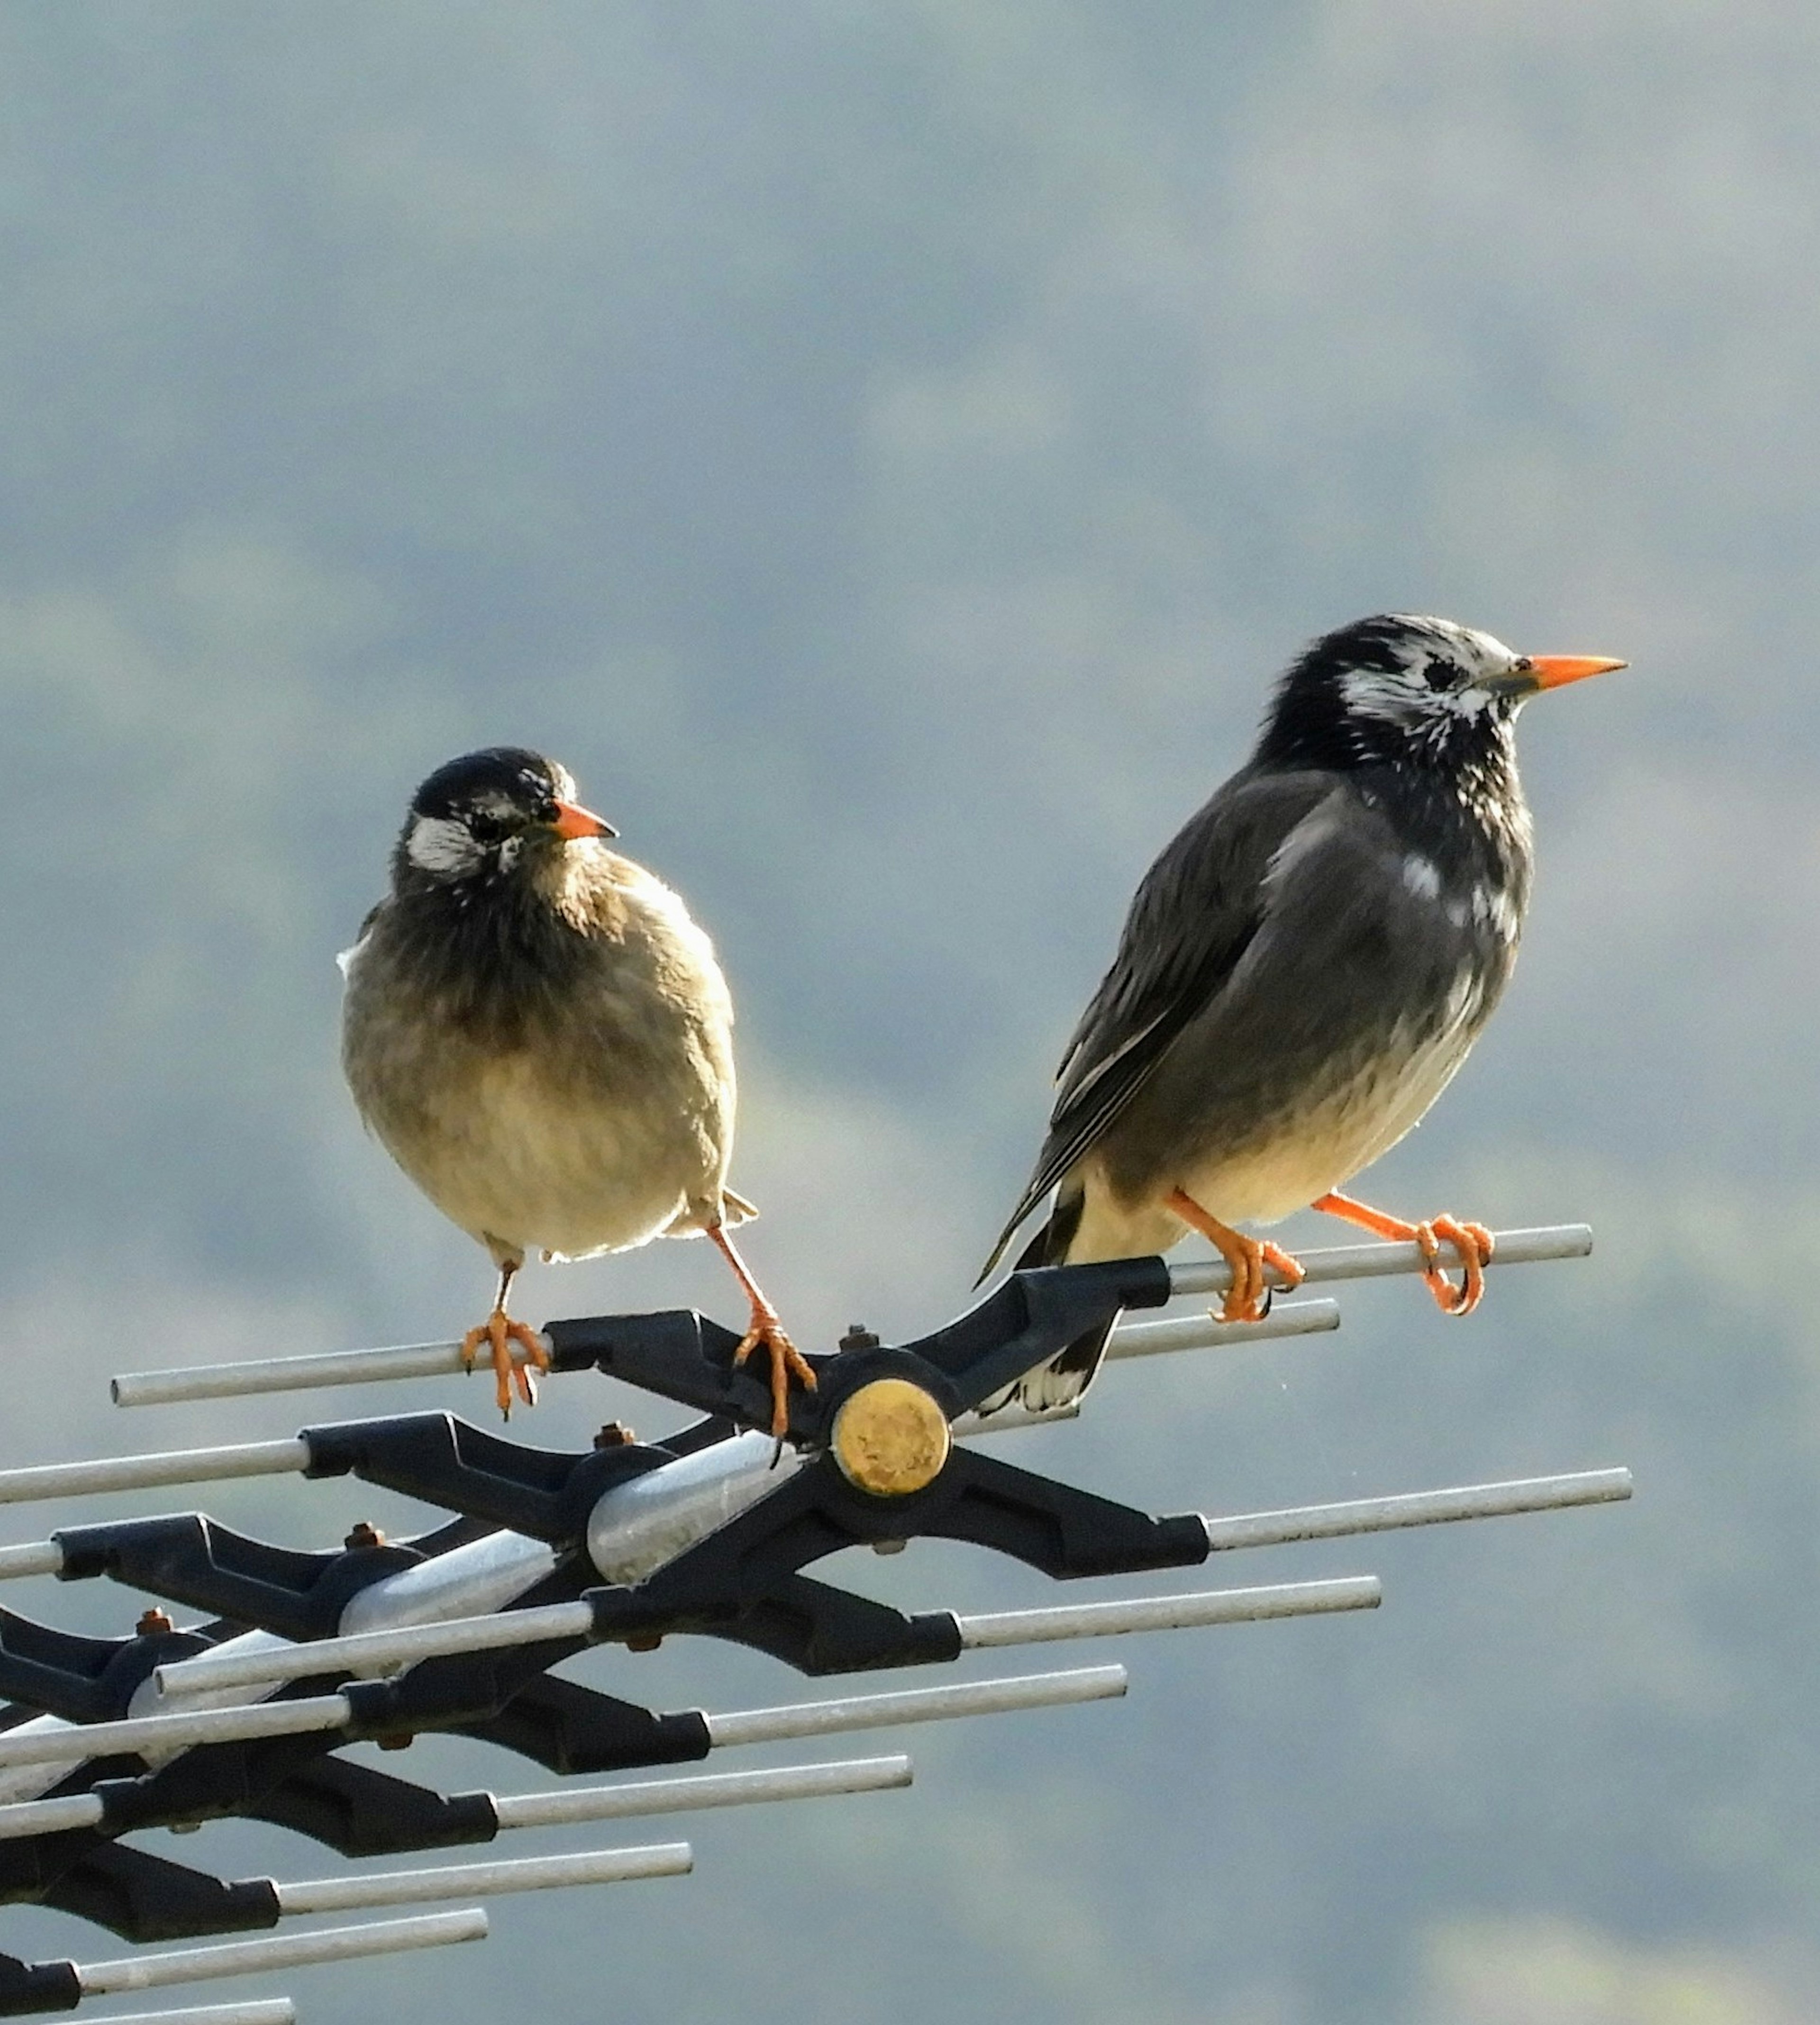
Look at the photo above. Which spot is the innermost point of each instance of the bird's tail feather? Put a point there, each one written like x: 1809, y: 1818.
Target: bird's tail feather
x: 1067, y: 1374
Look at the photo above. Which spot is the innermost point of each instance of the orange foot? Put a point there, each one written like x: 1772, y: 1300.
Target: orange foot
x: 501, y: 1331
x: 1247, y: 1299
x: 787, y: 1362
x: 1472, y: 1241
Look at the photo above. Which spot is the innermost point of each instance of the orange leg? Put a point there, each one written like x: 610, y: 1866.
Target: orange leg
x: 1248, y: 1297
x: 1472, y: 1241
x: 787, y: 1362
x: 500, y: 1332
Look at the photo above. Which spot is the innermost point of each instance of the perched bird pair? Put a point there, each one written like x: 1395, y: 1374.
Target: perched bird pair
x: 541, y: 1037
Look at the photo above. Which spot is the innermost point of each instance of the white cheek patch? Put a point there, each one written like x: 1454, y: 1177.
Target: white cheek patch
x: 1422, y: 877
x: 437, y: 846
x: 509, y: 852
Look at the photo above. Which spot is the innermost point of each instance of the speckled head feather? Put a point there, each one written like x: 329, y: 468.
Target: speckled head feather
x: 1398, y: 690
x: 470, y: 818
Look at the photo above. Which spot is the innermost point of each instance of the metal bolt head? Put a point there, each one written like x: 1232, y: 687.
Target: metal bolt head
x: 361, y: 1535
x: 615, y: 1435
x: 859, y: 1337
x: 153, y: 1623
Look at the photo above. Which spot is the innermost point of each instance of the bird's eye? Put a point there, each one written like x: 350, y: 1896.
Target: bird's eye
x: 547, y: 811
x: 1440, y: 674
x: 485, y: 830
x: 1522, y: 665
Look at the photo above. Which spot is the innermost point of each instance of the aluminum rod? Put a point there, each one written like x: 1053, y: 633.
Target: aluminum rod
x: 373, y: 1937
x: 1371, y: 1261
x: 1170, y: 1613
x: 29, y: 1817
x: 161, y: 1733
x: 1208, y: 1332
x: 767, y: 1725
x: 261, y: 2011
x: 484, y: 1880
x: 1420, y: 1508
x: 289, y: 1374
x: 35, y: 1557
x: 719, y: 1789
x: 584, y: 1803
x: 372, y: 1651
x: 87, y: 1480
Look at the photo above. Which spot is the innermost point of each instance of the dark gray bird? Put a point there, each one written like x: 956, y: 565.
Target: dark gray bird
x: 541, y: 1038
x: 1301, y: 972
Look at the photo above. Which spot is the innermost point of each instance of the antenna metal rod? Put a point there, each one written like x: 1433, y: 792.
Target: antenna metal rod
x: 718, y: 1789
x: 1371, y: 1261
x: 261, y: 2011
x: 1208, y: 1333
x: 767, y: 1725
x: 35, y: 1557
x: 443, y: 1360
x: 567, y: 1804
x: 1420, y: 1508
x: 189, y: 1727
x: 143, y: 1733
x: 1170, y: 1613
x: 87, y: 1479
x: 373, y: 1651
x: 370, y: 1651
x: 373, y: 1937
x: 289, y: 1374
x: 484, y: 1880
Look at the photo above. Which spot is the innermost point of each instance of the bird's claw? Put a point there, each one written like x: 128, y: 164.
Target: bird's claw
x: 1247, y: 1299
x: 499, y: 1332
x: 1474, y: 1243
x: 787, y: 1362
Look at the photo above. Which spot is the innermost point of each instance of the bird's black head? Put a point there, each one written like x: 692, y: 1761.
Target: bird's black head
x: 1406, y: 691
x: 1396, y: 690
x: 488, y: 815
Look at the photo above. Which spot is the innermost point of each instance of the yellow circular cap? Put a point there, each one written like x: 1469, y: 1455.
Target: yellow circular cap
x: 890, y: 1438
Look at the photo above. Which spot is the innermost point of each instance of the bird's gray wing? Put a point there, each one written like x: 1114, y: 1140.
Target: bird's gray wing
x: 1192, y: 918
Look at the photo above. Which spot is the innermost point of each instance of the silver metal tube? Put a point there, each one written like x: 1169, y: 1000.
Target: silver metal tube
x: 1373, y: 1261
x: 1208, y: 1333
x: 144, y: 1733
x: 87, y: 1480
x: 638, y: 1526
x: 73, y: 1810
x: 484, y: 1880
x: 36, y: 1557
x: 1419, y: 1508
x: 719, y: 1789
x: 372, y: 1651
x: 289, y: 1374
x: 374, y: 1937
x: 262, y: 2011
x: 766, y: 1725
x: 1170, y: 1613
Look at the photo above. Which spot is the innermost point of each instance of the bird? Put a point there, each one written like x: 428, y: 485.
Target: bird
x: 540, y: 1036
x: 1302, y: 971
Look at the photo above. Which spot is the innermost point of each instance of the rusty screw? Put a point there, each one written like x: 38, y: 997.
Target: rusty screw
x: 644, y: 1641
x: 615, y: 1435
x: 859, y: 1337
x: 153, y: 1624
x: 361, y: 1534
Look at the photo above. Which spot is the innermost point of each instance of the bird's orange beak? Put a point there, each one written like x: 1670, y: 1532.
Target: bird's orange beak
x: 573, y: 821
x: 1552, y: 670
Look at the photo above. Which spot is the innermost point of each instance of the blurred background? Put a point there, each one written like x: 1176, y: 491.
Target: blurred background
x: 885, y: 451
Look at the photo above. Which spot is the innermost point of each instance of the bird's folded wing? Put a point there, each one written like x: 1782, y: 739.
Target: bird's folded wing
x: 1199, y: 907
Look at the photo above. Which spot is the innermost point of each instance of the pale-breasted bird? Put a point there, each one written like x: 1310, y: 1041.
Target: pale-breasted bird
x: 1301, y: 972
x: 540, y: 1036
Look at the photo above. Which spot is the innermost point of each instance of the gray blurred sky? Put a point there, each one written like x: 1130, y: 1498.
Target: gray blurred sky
x: 884, y: 452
